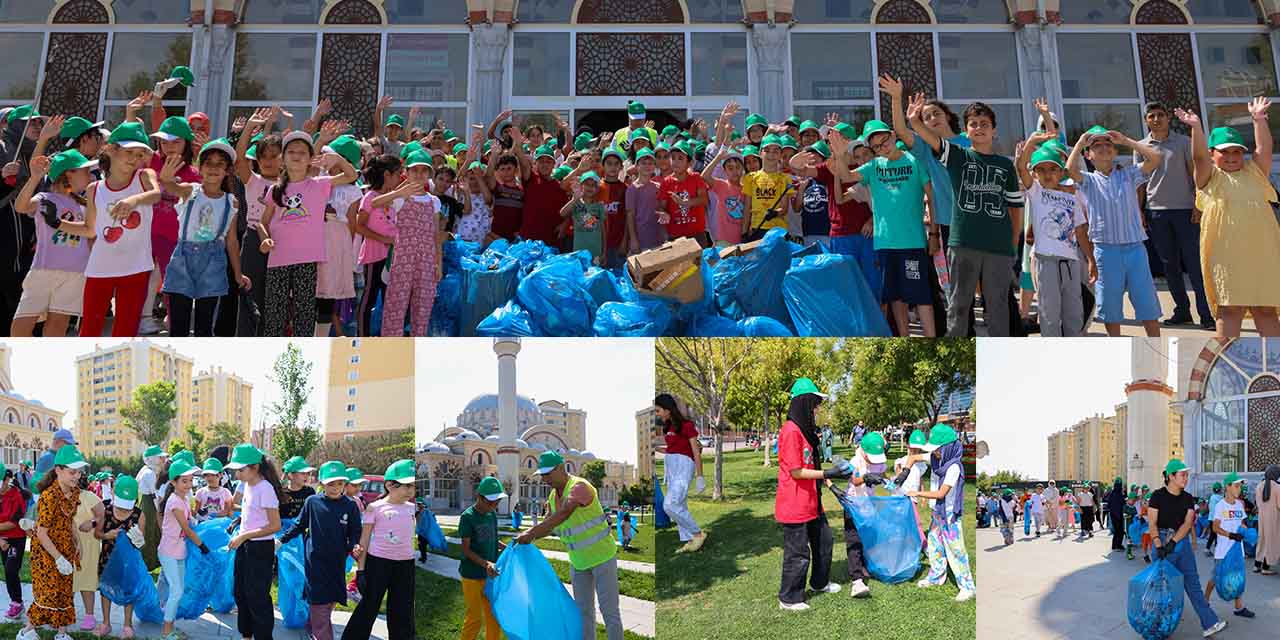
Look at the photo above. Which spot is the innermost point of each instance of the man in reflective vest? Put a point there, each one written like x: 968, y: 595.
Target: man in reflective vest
x: 579, y: 520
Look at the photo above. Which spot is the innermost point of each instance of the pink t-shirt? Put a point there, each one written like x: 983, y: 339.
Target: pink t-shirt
x: 298, y: 226
x: 212, y: 499
x: 380, y: 221
x: 257, y: 499
x: 729, y: 211
x: 392, y: 537
x: 173, y: 542
x: 256, y: 194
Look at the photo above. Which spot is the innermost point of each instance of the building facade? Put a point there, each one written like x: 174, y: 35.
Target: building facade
x: 370, y: 389
x: 106, y: 379
x: 26, y: 424
x: 222, y: 396
x: 464, y: 61
x: 648, y: 439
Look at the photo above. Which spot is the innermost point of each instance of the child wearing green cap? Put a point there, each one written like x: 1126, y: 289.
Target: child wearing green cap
x: 502, y: 177
x: 419, y: 250
x: 388, y: 132
x: 478, y: 529
x: 212, y: 500
x: 376, y: 227
x: 54, y: 287
x: 121, y: 516
x: 476, y: 224
x: 766, y: 190
x: 175, y: 530
x: 730, y: 206
x: 643, y: 229
x: 544, y: 196
x: 1228, y: 521
x: 588, y: 216
x: 175, y: 140
x: 946, y: 536
x: 682, y: 198
x: 1237, y: 239
x: 259, y: 158
x: 259, y: 498
x: 386, y: 567
x: 1058, y: 230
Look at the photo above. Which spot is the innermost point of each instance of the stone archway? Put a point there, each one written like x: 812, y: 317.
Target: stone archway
x: 630, y: 11
x: 1200, y: 370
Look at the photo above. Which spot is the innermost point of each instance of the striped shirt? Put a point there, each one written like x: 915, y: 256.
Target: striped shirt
x: 1114, y: 216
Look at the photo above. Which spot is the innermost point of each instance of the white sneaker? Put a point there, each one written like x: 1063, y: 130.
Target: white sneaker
x: 830, y: 588
x: 964, y: 596
x: 799, y: 606
x: 61, y: 636
x: 859, y: 589
x: 1222, y: 624
x: 27, y: 634
x: 925, y: 584
x: 150, y: 327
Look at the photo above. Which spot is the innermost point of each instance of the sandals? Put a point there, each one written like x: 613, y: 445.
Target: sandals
x: 126, y: 632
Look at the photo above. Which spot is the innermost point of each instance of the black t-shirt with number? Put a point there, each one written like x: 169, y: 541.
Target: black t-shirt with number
x: 293, y: 500
x: 1172, y: 510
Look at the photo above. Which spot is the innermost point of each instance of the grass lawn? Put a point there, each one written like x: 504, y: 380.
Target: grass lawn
x: 729, y: 589
x: 630, y: 583
x: 642, y: 547
x: 440, y: 609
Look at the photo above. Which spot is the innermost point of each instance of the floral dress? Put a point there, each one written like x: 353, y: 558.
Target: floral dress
x: 475, y: 226
x: 53, y: 603
x: 109, y: 524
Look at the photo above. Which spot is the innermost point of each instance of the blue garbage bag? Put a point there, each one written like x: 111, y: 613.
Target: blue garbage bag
x: 827, y: 295
x: 1228, y: 576
x: 714, y: 326
x: 763, y: 327
x: 488, y: 282
x: 631, y: 320
x: 444, y: 313
x: 222, y: 600
x: 430, y: 529
x: 204, y: 571
x: 453, y: 252
x: 506, y: 321
x: 1136, y: 529
x: 660, y: 518
x: 1155, y: 600
x: 125, y: 581
x: 751, y: 284
x: 528, y: 598
x: 890, y: 535
x: 291, y: 579
x: 581, y: 258
x: 602, y: 286
x: 1026, y: 524
x: 1250, y: 542
x: 530, y: 253
x: 516, y: 519
x: 556, y: 296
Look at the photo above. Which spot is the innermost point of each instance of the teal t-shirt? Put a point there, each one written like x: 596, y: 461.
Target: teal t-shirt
x: 482, y: 528
x: 897, y: 200
x: 986, y: 188
x: 588, y: 228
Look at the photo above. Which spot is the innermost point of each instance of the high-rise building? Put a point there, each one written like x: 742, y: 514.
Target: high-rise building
x: 26, y: 424
x: 221, y: 396
x: 1062, y: 455
x: 105, y: 382
x: 646, y: 441
x: 370, y: 387
x: 573, y: 421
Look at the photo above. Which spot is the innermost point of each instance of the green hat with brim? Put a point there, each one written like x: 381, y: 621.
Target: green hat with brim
x: 662, y: 146
x: 460, y: 148
x: 940, y: 435
x: 154, y: 451
x: 809, y: 125
x: 872, y: 445
x: 756, y: 120
x: 873, y: 127
x: 645, y: 153
x: 174, y: 128
x: 124, y: 491
x: 212, y: 466
x: 69, y: 456
x: 544, y: 151
x: 636, y: 110
x: 349, y: 148
x: 68, y: 160
x: 76, y: 126
x: 185, y: 455
x: 561, y: 172
x: 297, y: 464
x: 491, y: 489
x: 548, y: 461
x: 408, y: 148
x: 333, y: 470
x: 642, y: 133
x: 1217, y: 486
x: 1223, y: 138
x: 220, y: 144
x: 401, y: 471
x: 475, y: 164
x: 820, y: 147
x: 847, y: 130
x: 1049, y: 156
x: 583, y: 141
x: 917, y: 439
x: 24, y: 112
x: 1232, y: 478
x: 788, y: 142
x: 184, y: 75
x: 614, y: 152
x: 589, y: 176
x: 130, y: 135
x: 804, y: 385
x: 450, y: 135
x: 683, y: 147
x: 181, y: 468
x: 355, y: 475
x: 418, y: 158
x: 1175, y: 465
x: 395, y: 120
x: 770, y: 140
x: 1096, y: 131
x: 252, y: 152
x: 750, y: 150
x: 670, y: 130
x: 244, y: 455
x: 793, y: 121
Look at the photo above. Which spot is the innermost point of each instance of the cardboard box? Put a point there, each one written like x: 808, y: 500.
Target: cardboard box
x: 665, y: 271
x: 740, y: 249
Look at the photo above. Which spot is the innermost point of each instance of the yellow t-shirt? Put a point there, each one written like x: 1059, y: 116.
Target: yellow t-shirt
x: 765, y: 189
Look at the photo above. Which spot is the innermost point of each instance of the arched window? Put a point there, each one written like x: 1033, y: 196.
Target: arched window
x: 426, y: 11
x: 11, y: 416
x: 479, y: 458
x: 530, y: 463
x: 568, y: 466
x: 1241, y: 412
x: 33, y: 422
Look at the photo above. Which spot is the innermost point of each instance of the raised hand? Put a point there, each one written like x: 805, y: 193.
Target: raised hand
x: 891, y: 86
x: 729, y: 110
x: 143, y: 98
x: 413, y: 116
x: 517, y: 136
x: 239, y: 124
x: 323, y: 108
x: 915, y: 109
x: 326, y: 161
x: 259, y: 118
x: 385, y: 102
x: 169, y: 172
x: 839, y: 145
x: 39, y: 166
x: 833, y: 119
x: 1187, y: 117
x: 52, y: 127
x: 200, y: 140
x: 1041, y: 106
x: 1258, y: 108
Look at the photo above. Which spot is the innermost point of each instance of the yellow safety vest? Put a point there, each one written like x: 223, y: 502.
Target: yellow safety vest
x: 586, y: 533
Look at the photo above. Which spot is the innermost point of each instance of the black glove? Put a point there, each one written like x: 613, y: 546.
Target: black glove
x: 837, y: 472
x: 1162, y: 551
x: 902, y: 477
x: 1237, y: 536
x: 49, y: 212
x: 204, y: 548
x: 873, y: 479
x: 360, y: 582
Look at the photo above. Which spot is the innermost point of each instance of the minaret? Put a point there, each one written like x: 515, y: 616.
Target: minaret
x: 508, y: 453
x: 1147, y: 435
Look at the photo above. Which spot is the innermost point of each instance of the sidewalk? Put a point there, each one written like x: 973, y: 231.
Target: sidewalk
x: 637, y: 615
x: 1050, y: 588
x: 210, y: 625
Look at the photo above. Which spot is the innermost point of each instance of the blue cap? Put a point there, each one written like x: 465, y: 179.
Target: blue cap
x: 65, y: 435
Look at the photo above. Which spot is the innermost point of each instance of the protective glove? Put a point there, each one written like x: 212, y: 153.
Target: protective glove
x: 873, y: 479
x: 136, y: 537
x: 360, y: 582
x: 204, y: 549
x: 838, y: 471
x: 1237, y: 536
x: 700, y: 484
x: 902, y: 477
x: 1162, y: 551
x: 65, y: 567
x: 27, y: 524
x: 278, y: 544
x: 49, y: 212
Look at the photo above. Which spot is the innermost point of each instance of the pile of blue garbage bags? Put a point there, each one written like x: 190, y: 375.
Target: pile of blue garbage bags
x: 777, y: 288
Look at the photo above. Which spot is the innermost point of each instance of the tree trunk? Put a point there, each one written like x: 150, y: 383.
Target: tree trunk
x: 764, y: 426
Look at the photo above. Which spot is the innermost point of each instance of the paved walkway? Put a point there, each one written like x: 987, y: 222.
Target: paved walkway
x: 214, y: 625
x: 637, y: 615
x: 1050, y: 588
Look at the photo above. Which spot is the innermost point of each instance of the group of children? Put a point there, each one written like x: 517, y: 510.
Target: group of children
x: 78, y: 520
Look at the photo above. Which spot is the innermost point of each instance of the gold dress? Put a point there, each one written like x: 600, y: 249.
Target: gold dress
x: 1239, y: 239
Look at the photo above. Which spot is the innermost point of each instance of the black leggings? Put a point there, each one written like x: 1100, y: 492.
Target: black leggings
x: 853, y: 551
x: 252, y: 590
x: 805, y: 545
x: 180, y: 315
x: 13, y: 567
x: 394, y: 580
x: 373, y: 285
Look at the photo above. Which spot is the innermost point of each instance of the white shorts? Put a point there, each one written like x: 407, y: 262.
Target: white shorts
x: 51, y: 291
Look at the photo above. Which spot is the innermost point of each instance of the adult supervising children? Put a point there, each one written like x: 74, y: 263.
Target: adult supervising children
x: 1172, y: 513
x: 683, y: 466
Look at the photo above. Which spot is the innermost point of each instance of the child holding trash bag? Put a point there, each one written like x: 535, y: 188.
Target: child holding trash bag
x: 946, y: 539
x: 56, y: 550
x: 1171, y: 514
x: 175, y: 530
x: 254, y: 547
x: 868, y: 467
x: 386, y: 566
x: 331, y: 526
x: 478, y: 528
x: 121, y: 515
x: 1228, y: 517
x: 683, y: 456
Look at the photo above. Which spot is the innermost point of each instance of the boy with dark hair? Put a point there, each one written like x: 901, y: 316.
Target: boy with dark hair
x: 508, y: 193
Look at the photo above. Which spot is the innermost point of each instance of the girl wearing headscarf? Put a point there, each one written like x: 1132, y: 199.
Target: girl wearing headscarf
x: 682, y: 458
x: 946, y: 540
x: 1268, y: 506
x: 21, y: 129
x: 1115, y: 511
x: 806, y: 536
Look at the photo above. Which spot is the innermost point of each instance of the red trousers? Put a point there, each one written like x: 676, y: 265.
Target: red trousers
x: 130, y: 292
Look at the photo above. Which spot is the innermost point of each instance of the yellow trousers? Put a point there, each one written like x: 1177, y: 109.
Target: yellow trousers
x: 478, y: 611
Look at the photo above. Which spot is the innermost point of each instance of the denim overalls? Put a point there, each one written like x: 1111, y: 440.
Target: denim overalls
x: 198, y: 269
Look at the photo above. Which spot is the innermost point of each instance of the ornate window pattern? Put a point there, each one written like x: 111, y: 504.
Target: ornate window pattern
x: 1168, y: 72
x: 82, y: 12
x: 903, y: 12
x: 73, y: 73
x: 353, y: 12
x: 1264, y: 423
x: 628, y: 64
x: 1159, y: 12
x: 1240, y: 425
x: 909, y: 58
x: 349, y: 68
x: 630, y: 11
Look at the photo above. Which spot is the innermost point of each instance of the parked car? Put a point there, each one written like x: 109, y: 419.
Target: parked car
x: 372, y: 489
x: 706, y: 441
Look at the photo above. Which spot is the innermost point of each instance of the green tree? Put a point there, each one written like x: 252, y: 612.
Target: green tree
x: 896, y: 381
x: 1002, y: 476
x: 223, y: 433
x: 296, y: 433
x: 150, y: 412
x: 595, y: 472
x: 761, y: 394
x: 700, y: 370
x: 177, y: 446
x: 196, y: 441
x: 373, y: 454
x: 638, y: 493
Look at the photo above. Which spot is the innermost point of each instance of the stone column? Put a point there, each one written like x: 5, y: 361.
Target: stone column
x: 508, y: 427
x: 772, y: 96
x: 489, y: 56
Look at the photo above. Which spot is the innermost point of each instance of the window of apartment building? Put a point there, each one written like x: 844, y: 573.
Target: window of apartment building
x: 351, y: 392
x: 353, y: 375
x: 351, y: 408
x: 350, y: 424
x: 355, y: 359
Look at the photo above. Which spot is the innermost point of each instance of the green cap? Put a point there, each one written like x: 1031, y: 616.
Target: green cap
x: 770, y: 140
x: 1224, y: 138
x: 590, y: 175
x: 917, y: 439
x: 1055, y: 145
x: 153, y: 451
x: 1118, y: 480
x: 69, y: 456
x: 615, y: 152
x: 179, y: 468
x: 1133, y: 495
x: 873, y: 445
x: 297, y: 464
x: 750, y: 150
x: 847, y: 130
x: 548, y: 461
x: 1232, y: 478
x: 333, y: 470
x: 873, y: 127
x: 417, y: 158
x: 683, y: 147
x: 788, y: 142
x: 410, y: 147
x: 244, y: 455
x: 131, y: 135
x: 124, y: 489
x: 793, y: 121
x: 670, y: 130
x: 1217, y: 486
x: 174, y: 128
x: 583, y: 141
x: 184, y: 75
x: 809, y: 125
x: 450, y: 135
x: 213, y: 465
x: 67, y: 161
x: 491, y: 489
x: 460, y: 148
x: 645, y: 153
x: 24, y: 112
x: 252, y: 152
x: 561, y: 172
x: 635, y: 110
x: 757, y: 120
x: 1096, y: 131
x: 355, y: 475
x: 395, y: 120
x: 803, y: 386
x: 640, y: 134
x: 662, y: 146
x: 401, y: 471
x: 76, y: 126
x: 1044, y: 155
x: 1175, y: 465
x: 545, y: 151
x: 940, y: 435
x: 185, y: 456
x: 218, y: 144
x: 820, y: 147
x: 475, y: 164
x: 347, y: 147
